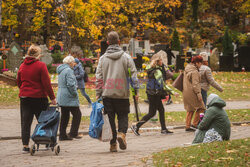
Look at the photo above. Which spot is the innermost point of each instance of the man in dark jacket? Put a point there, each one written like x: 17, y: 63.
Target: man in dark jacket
x: 113, y: 86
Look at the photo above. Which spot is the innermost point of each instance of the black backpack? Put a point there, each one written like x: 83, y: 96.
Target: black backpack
x: 85, y: 77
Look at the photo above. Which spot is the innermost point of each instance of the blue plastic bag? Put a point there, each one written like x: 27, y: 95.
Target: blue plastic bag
x: 96, y: 120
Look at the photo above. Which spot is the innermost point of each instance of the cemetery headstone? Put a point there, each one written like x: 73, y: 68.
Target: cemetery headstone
x: 46, y: 55
x: 175, y: 55
x: 14, y: 57
x: 214, y: 60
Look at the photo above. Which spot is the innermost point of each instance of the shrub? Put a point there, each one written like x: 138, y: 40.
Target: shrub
x: 57, y: 57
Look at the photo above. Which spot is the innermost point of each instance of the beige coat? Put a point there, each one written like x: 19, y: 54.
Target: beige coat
x: 192, y: 89
x: 207, y: 79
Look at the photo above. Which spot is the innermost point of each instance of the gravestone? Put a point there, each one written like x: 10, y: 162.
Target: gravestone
x: 14, y: 57
x: 46, y: 55
x: 182, y: 60
x: 147, y: 47
x: 214, y: 60
x: 175, y: 55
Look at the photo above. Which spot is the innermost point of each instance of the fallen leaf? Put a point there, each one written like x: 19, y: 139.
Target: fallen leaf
x: 231, y: 151
x: 203, y: 160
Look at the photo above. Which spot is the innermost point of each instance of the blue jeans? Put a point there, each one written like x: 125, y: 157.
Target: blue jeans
x: 85, y: 94
x: 204, y: 96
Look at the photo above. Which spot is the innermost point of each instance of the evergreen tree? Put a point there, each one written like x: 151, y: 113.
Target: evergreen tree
x: 175, y: 43
x: 227, y: 44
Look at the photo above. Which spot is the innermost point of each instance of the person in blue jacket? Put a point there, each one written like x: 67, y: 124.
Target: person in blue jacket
x: 79, y: 73
x: 67, y: 98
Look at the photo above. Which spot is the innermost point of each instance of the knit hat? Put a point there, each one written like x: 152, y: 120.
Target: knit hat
x: 211, y: 97
x: 204, y: 55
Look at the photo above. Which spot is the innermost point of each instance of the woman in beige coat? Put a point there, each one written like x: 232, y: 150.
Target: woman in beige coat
x: 192, y: 97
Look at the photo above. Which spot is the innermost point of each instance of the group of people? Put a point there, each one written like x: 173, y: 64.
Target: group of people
x: 215, y: 125
x: 34, y: 84
x: 114, y: 69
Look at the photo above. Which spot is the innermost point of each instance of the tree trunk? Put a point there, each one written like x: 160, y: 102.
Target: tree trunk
x: 0, y: 14
x: 48, y: 27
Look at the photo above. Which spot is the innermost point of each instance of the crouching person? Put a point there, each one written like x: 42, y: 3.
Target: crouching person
x: 215, y: 125
x: 112, y: 85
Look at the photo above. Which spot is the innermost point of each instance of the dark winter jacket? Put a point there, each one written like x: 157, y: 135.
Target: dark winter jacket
x: 79, y: 73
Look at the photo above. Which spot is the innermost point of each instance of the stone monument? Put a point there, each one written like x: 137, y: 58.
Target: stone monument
x: 14, y: 56
x: 46, y: 55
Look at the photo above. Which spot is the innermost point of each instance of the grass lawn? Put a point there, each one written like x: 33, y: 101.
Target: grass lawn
x: 236, y: 87
x: 178, y: 118
x: 226, y: 153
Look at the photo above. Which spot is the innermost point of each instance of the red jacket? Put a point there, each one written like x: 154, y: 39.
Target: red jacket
x: 33, y: 79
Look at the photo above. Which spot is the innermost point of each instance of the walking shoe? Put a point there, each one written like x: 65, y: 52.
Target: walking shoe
x: 76, y: 137
x: 190, y: 129
x: 121, y: 138
x: 26, y: 150
x: 166, y: 131
x: 113, y: 147
x: 195, y: 127
x: 62, y: 138
x: 135, y: 130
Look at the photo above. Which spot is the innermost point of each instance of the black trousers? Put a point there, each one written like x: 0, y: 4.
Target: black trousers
x: 155, y: 104
x: 77, y: 115
x: 30, y: 107
x: 119, y: 107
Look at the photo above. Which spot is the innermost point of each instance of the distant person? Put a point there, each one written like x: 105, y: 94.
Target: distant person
x: 192, y: 97
x: 68, y: 100
x: 170, y: 55
x: 215, y: 125
x: 112, y: 85
x: 79, y: 73
x: 207, y: 78
x: 156, y: 91
x: 34, y: 87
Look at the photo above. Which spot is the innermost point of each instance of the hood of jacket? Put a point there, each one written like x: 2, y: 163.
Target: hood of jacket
x: 190, y: 67
x: 218, y: 102
x: 62, y: 67
x: 77, y: 65
x: 114, y: 52
x: 77, y: 60
x: 30, y: 60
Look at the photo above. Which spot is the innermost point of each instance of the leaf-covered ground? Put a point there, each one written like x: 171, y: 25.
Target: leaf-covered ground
x: 227, y: 153
x: 236, y: 87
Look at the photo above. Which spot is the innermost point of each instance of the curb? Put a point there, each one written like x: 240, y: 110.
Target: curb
x: 129, y: 130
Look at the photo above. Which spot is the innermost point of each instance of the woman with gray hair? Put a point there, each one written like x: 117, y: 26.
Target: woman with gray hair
x: 67, y: 98
x: 34, y: 88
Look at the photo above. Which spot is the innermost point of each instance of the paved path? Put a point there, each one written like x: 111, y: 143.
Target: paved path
x: 90, y: 152
x: 10, y: 118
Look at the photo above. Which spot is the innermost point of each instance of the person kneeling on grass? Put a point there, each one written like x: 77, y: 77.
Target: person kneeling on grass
x: 215, y: 125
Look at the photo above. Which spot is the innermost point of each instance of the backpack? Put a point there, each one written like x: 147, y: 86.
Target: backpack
x: 85, y: 77
x: 96, y: 120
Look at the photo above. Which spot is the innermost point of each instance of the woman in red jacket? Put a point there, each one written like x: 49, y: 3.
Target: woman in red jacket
x: 34, y: 87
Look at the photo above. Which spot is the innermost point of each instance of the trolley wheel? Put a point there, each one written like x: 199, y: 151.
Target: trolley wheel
x: 57, y: 149
x: 33, y: 149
